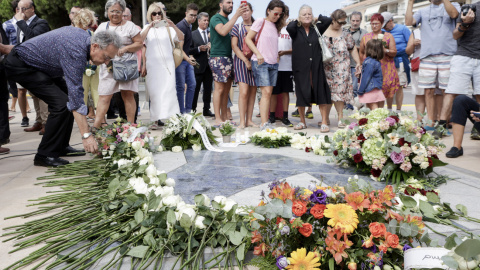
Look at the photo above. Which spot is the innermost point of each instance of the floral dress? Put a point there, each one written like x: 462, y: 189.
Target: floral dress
x: 337, y: 70
x: 391, y: 83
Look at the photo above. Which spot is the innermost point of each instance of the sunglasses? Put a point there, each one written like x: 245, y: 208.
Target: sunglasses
x: 278, y: 13
x: 342, y: 23
x: 157, y: 13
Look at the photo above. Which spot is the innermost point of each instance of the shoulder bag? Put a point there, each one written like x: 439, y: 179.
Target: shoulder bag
x: 246, y: 50
x: 327, y: 55
x: 177, y: 51
x: 415, y: 62
x: 124, y: 70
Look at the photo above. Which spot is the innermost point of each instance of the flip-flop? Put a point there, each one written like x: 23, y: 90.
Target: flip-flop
x: 324, y: 129
x: 300, y: 126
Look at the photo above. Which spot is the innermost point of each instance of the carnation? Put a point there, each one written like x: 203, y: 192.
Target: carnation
x: 406, y: 166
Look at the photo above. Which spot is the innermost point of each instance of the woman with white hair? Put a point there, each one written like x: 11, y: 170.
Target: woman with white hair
x: 160, y: 34
x: 132, y: 42
x: 307, y: 63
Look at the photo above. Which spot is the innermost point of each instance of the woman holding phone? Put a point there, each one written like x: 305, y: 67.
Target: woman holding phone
x: 159, y: 35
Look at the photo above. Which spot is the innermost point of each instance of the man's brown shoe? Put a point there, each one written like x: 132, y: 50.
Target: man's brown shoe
x: 4, y: 150
x: 36, y: 127
x: 42, y: 131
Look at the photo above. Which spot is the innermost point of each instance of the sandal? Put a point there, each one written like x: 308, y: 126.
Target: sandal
x: 324, y: 129
x: 320, y: 123
x: 341, y: 125
x: 300, y: 126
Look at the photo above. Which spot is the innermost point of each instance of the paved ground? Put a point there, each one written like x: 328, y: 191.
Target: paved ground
x: 249, y: 167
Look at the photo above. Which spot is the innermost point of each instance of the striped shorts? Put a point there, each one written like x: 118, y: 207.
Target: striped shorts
x: 433, y: 68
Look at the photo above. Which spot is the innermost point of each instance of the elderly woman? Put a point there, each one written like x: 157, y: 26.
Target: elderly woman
x: 338, y: 72
x: 132, y: 42
x: 85, y: 19
x: 391, y: 84
x: 310, y: 82
x: 158, y: 59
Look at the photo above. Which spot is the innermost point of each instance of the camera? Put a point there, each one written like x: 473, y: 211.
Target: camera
x: 467, y: 7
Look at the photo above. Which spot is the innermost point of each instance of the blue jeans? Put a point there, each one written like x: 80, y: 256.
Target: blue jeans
x: 185, y: 74
x: 354, y: 82
x: 265, y: 74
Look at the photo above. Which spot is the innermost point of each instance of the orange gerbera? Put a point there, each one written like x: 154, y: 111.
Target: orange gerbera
x: 357, y: 200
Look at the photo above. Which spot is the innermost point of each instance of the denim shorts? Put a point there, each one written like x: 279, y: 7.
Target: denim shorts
x: 265, y: 74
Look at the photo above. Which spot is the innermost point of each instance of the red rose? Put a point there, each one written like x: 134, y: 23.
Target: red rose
x: 335, y: 153
x: 363, y: 121
x: 401, y: 141
x: 435, y: 156
x: 375, y: 173
x: 299, y: 208
x: 306, y: 229
x: 395, y: 117
x: 358, y: 158
x: 361, y: 138
x: 308, y: 149
x: 317, y: 211
x: 392, y: 240
x: 430, y: 162
x: 377, y: 229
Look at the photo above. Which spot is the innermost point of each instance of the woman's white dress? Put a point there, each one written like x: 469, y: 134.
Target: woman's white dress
x: 160, y: 77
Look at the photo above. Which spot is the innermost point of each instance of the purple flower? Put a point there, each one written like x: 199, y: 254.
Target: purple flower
x: 319, y: 196
x: 406, y: 247
x: 391, y: 121
x: 352, y: 125
x: 285, y: 230
x: 282, y: 262
x: 397, y: 158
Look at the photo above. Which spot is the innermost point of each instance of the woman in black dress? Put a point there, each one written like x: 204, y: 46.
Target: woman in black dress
x: 307, y: 63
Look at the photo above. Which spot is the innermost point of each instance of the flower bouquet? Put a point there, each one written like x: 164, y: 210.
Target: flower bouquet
x: 316, y: 144
x: 90, y: 69
x: 227, y: 129
x: 179, y: 131
x: 332, y: 227
x: 118, y: 138
x: 272, y: 138
x: 386, y: 145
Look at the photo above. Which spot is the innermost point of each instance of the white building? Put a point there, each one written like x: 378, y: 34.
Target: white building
x: 396, y: 7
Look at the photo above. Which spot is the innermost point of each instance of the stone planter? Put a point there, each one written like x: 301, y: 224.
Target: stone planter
x: 227, y: 138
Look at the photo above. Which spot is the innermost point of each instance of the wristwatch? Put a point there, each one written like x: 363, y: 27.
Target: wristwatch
x: 86, y: 135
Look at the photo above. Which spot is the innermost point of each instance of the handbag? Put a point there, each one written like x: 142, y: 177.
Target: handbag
x: 124, y: 70
x: 177, y: 51
x: 327, y: 55
x: 415, y: 62
x: 246, y: 50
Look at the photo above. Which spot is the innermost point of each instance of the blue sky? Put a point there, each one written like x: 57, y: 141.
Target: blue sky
x: 324, y: 7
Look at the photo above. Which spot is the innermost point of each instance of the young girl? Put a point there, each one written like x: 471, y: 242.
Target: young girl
x: 370, y: 90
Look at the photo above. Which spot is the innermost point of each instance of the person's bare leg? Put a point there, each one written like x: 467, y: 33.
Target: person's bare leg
x: 91, y: 112
x: 372, y: 106
x: 430, y: 103
x: 22, y: 101
x: 420, y: 106
x: 14, y: 103
x: 447, y: 106
x: 224, y: 100
x: 399, y: 99
x: 265, y: 102
x: 339, y: 105
x: 325, y: 113
x: 390, y: 103
x: 217, y: 101
x: 243, y: 103
x: 301, y: 111
x: 438, y: 106
x: 457, y: 131
x: 130, y: 105
x: 477, y: 98
x: 381, y: 104
x: 252, y: 94
x: 102, y: 108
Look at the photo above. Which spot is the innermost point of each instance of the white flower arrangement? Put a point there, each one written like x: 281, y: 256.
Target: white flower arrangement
x: 272, y: 138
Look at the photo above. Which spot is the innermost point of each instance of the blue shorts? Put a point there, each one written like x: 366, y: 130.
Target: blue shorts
x: 265, y: 74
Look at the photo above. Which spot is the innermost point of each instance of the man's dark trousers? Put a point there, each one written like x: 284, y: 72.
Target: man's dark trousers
x: 4, y: 95
x: 206, y: 79
x: 54, y: 92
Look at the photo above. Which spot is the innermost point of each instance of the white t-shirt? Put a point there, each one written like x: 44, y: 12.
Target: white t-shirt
x: 285, y: 44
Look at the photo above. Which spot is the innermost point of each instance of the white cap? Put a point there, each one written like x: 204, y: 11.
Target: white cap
x: 387, y: 16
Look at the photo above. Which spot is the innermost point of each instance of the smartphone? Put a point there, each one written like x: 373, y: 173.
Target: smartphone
x: 243, y: 2
x: 476, y: 114
x: 161, y: 23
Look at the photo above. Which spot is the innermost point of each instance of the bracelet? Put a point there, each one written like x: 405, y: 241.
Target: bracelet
x: 466, y: 25
x: 460, y: 30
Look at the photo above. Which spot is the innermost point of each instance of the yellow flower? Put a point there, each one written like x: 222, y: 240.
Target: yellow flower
x: 341, y: 216
x: 307, y: 192
x: 301, y: 261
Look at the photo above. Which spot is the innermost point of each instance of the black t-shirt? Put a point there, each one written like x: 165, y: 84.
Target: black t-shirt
x: 469, y: 43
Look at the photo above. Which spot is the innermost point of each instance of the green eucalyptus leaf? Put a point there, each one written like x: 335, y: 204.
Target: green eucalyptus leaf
x: 432, y: 197
x: 450, y: 241
x: 468, y: 249
x: 241, y: 252
x: 408, y: 201
x: 405, y: 229
x: 229, y: 227
x: 392, y: 226
x: 235, y: 237
x: 450, y: 262
x: 261, y: 209
x: 258, y: 216
x: 427, y: 209
x: 138, y: 251
x: 138, y: 216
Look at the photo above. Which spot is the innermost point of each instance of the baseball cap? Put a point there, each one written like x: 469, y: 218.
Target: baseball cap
x: 387, y: 16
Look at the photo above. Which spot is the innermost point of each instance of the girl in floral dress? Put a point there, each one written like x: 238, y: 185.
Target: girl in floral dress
x: 391, y: 83
x: 341, y: 44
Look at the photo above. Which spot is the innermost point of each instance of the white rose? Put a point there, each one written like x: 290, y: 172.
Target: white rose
x: 112, y: 146
x: 142, y: 152
x: 220, y: 200
x: 154, y: 180
x: 171, y: 201
x: 164, y: 191
x: 424, y: 165
x: 141, y: 188
x: 193, y: 131
x: 160, y: 148
x: 228, y: 205
x: 170, y: 182
x: 380, y: 36
x: 151, y: 170
x: 197, y: 147
x: 89, y: 72
x: 206, y: 200
x: 199, y: 222
x: 177, y: 149
x: 146, y: 161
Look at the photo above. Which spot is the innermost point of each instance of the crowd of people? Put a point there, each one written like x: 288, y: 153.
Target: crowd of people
x: 83, y: 70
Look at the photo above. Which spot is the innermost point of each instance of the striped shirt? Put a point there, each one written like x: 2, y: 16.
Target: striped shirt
x: 242, y: 74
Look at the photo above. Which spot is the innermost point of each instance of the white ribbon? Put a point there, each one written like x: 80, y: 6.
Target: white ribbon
x: 198, y: 127
x: 425, y: 258
x: 135, y: 133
